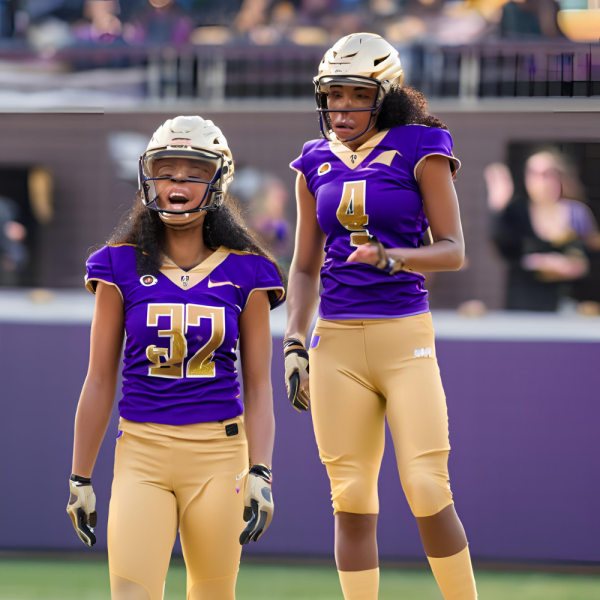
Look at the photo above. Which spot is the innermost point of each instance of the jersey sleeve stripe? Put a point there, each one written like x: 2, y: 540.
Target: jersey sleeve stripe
x: 269, y: 288
x: 90, y: 287
x: 454, y: 162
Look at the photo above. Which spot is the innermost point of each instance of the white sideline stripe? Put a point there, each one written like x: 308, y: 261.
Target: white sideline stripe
x: 77, y: 307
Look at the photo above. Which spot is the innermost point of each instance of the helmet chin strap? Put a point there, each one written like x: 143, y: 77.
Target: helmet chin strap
x: 325, y: 127
x: 182, y: 220
x: 360, y: 134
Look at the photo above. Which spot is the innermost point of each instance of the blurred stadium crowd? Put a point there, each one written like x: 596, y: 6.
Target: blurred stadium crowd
x: 55, y: 24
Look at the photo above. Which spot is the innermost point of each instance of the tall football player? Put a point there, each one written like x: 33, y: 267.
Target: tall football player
x: 367, y: 195
x: 185, y: 281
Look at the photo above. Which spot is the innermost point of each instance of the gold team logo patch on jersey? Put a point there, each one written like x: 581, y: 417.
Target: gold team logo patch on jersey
x: 324, y: 168
x: 147, y: 280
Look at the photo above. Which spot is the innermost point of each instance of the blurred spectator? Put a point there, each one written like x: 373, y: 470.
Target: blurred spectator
x: 13, y: 254
x: 265, y: 198
x: 101, y: 23
x: 530, y: 18
x: 543, y: 237
x: 445, y: 22
x: 52, y: 24
x: 267, y: 215
x: 160, y: 22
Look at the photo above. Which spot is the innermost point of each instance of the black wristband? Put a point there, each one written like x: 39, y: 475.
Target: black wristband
x: 294, y: 346
x: 81, y: 480
x: 291, y: 342
x: 262, y: 472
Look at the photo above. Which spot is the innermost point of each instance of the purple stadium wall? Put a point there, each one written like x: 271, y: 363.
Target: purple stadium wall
x: 524, y: 434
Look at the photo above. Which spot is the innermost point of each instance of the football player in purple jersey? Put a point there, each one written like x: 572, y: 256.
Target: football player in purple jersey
x: 185, y: 281
x: 369, y: 194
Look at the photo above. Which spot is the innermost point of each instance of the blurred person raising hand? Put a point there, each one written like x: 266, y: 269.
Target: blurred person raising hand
x: 543, y: 237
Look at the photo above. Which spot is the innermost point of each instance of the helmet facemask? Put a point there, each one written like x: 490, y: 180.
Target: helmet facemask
x: 215, y: 164
x: 323, y: 86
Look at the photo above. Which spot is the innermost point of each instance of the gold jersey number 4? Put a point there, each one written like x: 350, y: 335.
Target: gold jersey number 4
x: 351, y: 211
x: 169, y: 362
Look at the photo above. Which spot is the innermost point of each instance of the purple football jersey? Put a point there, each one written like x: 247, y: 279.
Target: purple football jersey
x: 371, y: 191
x: 182, y: 332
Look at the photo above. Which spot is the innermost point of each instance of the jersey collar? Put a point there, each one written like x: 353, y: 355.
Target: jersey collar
x: 189, y: 279
x: 353, y: 158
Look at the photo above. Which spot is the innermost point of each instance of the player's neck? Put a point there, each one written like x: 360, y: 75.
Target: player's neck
x: 186, y: 248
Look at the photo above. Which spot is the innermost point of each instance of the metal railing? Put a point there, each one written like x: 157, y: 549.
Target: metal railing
x: 216, y: 73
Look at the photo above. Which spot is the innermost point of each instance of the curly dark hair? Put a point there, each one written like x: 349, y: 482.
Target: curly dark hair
x: 404, y: 105
x: 223, y: 226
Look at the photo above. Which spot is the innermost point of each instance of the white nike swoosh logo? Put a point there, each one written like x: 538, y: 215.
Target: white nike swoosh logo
x: 219, y: 283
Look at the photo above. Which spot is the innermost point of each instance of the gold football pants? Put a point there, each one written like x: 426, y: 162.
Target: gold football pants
x: 167, y: 477
x: 361, y: 372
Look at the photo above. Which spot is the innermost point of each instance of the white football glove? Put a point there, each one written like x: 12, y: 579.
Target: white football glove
x: 82, y: 508
x: 296, y: 372
x: 258, y: 504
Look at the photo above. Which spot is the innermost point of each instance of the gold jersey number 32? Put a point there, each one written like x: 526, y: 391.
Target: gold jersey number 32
x: 183, y: 316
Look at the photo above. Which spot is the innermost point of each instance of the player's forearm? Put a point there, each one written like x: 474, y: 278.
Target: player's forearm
x: 302, y: 300
x: 260, y: 424
x: 91, y: 423
x: 444, y: 255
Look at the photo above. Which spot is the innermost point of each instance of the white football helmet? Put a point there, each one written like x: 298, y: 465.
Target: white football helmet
x: 359, y: 59
x: 196, y: 139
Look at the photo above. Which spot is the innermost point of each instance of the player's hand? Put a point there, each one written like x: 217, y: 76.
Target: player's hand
x: 368, y: 253
x: 554, y: 266
x: 500, y: 186
x: 296, y: 373
x: 373, y: 253
x: 82, y: 508
x: 258, y: 503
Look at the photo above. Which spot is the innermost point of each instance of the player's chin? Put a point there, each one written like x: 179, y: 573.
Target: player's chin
x: 179, y: 211
x: 183, y: 220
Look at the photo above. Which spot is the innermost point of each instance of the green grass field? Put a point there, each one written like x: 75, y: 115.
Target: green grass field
x: 82, y: 580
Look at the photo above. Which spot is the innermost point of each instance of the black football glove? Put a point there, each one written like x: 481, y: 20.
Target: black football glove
x: 82, y: 508
x: 296, y: 372
x: 258, y: 504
